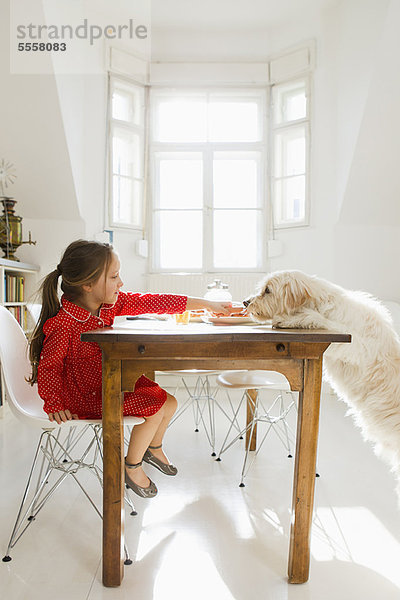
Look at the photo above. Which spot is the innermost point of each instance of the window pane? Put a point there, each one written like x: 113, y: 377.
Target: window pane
x: 235, y: 183
x: 289, y: 200
x: 127, y: 201
x: 126, y: 155
x: 122, y: 199
x: 181, y: 183
x: 233, y: 121
x: 290, y: 152
x: 122, y: 106
x: 290, y: 102
x: 127, y: 103
x: 183, y: 120
x: 137, y: 207
x: 235, y: 239
x: 180, y: 239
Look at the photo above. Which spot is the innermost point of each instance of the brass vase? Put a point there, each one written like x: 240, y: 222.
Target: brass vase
x: 11, y: 229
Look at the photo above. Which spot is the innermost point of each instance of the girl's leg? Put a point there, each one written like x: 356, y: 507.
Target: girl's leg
x: 157, y: 440
x: 149, y: 433
x: 141, y: 437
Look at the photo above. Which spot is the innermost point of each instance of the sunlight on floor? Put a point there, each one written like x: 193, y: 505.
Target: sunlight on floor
x: 273, y: 519
x: 356, y: 535
x: 160, y: 511
x: 189, y: 571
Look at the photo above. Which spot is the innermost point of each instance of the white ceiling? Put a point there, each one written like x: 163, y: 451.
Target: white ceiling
x: 231, y: 14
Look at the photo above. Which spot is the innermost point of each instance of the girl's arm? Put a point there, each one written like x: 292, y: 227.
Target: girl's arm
x: 130, y: 303
x: 219, y: 308
x: 51, y: 371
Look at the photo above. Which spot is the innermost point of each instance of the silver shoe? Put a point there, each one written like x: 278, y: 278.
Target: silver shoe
x: 147, y: 492
x: 157, y: 463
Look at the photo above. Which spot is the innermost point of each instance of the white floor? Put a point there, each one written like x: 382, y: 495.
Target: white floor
x: 203, y: 536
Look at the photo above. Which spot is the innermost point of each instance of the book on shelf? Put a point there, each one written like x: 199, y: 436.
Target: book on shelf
x: 20, y: 313
x: 14, y: 288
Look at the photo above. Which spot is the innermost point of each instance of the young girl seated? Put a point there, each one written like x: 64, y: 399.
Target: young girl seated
x: 68, y: 371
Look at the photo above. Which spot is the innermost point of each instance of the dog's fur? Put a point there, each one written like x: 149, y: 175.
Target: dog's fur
x: 366, y: 372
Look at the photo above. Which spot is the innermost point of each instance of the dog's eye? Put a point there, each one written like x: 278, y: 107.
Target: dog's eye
x: 267, y: 290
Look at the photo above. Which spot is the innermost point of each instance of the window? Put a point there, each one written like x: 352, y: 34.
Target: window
x: 209, y: 153
x: 290, y: 152
x: 126, y: 154
x: 226, y: 167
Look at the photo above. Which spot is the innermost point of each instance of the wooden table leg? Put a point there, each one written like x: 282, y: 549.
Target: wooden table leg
x: 304, y: 473
x: 113, y: 453
x: 251, y: 403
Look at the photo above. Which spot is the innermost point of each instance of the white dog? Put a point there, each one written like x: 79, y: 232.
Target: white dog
x: 366, y: 372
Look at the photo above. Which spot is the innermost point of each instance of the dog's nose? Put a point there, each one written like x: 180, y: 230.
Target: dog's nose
x: 246, y: 303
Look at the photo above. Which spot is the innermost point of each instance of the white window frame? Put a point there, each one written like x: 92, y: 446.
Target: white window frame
x: 208, y: 149
x: 138, y: 129
x: 297, y: 64
x: 286, y: 126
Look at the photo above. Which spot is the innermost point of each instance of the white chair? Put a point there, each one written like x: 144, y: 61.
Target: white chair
x: 274, y: 416
x: 60, y: 446
x: 202, y: 397
x: 34, y: 310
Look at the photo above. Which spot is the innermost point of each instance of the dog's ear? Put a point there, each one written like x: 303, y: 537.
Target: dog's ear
x: 295, y: 294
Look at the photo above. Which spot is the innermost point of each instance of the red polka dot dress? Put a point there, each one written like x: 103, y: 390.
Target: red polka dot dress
x: 69, y: 372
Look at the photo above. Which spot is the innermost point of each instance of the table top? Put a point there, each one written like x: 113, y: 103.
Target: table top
x: 168, y: 331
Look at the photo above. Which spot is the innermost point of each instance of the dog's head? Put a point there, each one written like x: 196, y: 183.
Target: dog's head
x: 280, y: 293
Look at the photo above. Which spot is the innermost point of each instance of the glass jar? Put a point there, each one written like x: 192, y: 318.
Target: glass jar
x: 218, y: 292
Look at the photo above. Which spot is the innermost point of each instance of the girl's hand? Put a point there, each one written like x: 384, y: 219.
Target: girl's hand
x: 222, y: 308
x: 62, y: 416
x: 218, y: 308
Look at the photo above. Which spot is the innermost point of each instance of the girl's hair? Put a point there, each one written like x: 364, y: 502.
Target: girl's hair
x: 82, y: 263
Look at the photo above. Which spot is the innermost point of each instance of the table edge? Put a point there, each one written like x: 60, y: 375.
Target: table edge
x: 110, y: 335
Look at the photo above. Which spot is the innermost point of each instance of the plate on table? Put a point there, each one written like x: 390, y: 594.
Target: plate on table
x: 227, y: 320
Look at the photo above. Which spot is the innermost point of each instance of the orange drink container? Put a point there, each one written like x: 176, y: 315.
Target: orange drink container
x: 183, y: 318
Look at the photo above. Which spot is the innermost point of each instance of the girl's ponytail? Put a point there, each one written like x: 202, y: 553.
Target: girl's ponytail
x: 50, y: 307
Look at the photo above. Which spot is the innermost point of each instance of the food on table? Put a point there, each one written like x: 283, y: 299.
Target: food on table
x: 242, y: 313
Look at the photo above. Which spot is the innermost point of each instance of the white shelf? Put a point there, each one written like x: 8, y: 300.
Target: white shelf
x: 15, y: 265
x: 14, y: 304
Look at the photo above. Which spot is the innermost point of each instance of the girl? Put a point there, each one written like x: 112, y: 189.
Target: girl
x: 68, y: 371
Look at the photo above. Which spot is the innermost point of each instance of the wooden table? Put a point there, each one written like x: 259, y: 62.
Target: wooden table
x: 137, y: 347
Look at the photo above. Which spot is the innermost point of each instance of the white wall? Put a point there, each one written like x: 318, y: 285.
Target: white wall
x: 368, y: 230
x: 348, y: 38
x: 51, y: 236
x: 54, y: 132
x: 32, y: 138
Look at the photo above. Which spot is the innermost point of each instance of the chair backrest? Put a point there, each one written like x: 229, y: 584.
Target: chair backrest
x: 16, y: 366
x: 34, y: 309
